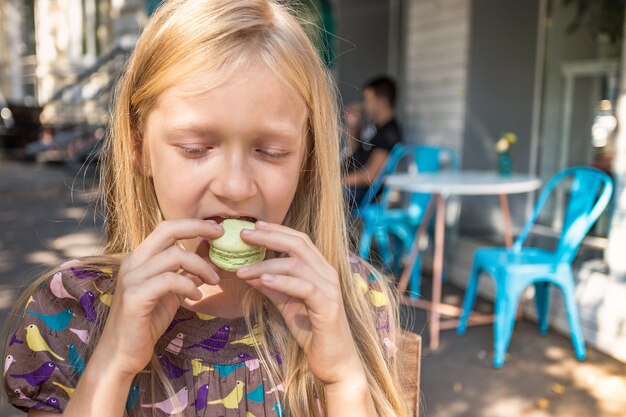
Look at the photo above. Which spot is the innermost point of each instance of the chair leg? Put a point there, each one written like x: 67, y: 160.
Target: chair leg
x: 542, y: 302
x: 573, y: 318
x: 365, y: 242
x: 382, y: 238
x: 506, y: 307
x: 470, y: 298
x: 415, y: 279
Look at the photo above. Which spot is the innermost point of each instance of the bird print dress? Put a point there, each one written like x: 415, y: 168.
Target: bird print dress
x: 211, y: 362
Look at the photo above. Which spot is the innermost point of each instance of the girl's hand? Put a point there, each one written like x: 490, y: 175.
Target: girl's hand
x: 306, y: 290
x: 151, y: 284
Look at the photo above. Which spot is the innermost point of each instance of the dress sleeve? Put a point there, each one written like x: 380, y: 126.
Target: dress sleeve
x: 46, y: 350
x: 375, y: 291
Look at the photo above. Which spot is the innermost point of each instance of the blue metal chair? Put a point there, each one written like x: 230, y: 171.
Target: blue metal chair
x: 514, y: 269
x: 380, y: 222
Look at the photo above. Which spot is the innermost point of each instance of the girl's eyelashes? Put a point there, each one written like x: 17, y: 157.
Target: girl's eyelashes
x: 193, y: 152
x: 275, y: 155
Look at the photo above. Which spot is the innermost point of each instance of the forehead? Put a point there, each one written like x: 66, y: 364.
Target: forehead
x: 249, y: 94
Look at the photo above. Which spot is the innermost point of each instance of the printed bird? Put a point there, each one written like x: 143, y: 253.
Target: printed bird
x: 36, y: 342
x: 225, y: 370
x: 170, y: 368
x: 176, y: 344
x: 50, y: 401
x: 76, y: 362
x: 15, y: 340
x: 203, y: 316
x: 278, y: 409
x: 256, y: 394
x: 105, y: 298
x: 360, y: 282
x: 90, y: 273
x: 279, y: 387
x: 8, y: 361
x: 69, y: 391
x: 216, y: 342
x: 39, y: 375
x: 172, y: 405
x: 201, y: 397
x: 197, y: 367
x: 87, y: 301
x: 390, y: 347
x: 20, y: 394
x: 133, y: 396
x: 55, y: 322
x: 249, y: 414
x: 251, y: 339
x: 378, y: 298
x: 175, y: 322
x: 233, y: 399
x: 83, y: 335
x: 250, y: 362
x: 57, y: 287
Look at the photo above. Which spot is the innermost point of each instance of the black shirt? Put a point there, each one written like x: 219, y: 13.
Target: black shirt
x: 385, y: 137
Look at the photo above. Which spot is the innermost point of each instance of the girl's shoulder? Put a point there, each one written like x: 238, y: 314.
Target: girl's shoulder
x: 50, y: 339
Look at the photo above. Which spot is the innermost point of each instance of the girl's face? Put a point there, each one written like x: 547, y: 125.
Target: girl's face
x: 232, y: 150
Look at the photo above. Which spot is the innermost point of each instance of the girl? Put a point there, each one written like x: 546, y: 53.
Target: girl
x: 224, y: 110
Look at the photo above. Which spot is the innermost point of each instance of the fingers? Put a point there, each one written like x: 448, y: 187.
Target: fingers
x: 316, y: 300
x: 167, y: 233
x: 168, y: 282
x: 172, y: 260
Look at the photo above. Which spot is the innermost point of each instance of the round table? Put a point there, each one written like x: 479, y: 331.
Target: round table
x: 442, y: 185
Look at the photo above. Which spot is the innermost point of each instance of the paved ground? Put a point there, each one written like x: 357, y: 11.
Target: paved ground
x: 46, y: 217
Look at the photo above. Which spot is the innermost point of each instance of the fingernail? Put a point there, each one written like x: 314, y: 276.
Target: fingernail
x: 261, y: 223
x: 268, y: 277
x: 247, y: 232
x: 216, y: 276
x: 243, y: 269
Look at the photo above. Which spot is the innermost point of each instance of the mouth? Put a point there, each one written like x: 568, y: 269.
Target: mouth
x: 219, y: 219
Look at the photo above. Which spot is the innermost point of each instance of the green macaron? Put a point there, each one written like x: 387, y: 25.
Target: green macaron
x: 229, y: 253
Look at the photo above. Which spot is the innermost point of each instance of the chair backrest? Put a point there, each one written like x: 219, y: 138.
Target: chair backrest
x: 589, y: 193
x: 390, y: 166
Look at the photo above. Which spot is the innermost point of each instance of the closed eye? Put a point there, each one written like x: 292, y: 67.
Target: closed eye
x: 275, y: 155
x: 193, y: 152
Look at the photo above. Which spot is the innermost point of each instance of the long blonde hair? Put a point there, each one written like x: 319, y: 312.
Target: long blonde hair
x: 182, y: 38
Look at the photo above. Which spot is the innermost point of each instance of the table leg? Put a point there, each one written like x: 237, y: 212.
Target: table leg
x: 506, y: 217
x: 408, y: 267
x: 440, y: 227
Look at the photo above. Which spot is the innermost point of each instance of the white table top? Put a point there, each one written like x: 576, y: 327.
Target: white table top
x: 464, y: 183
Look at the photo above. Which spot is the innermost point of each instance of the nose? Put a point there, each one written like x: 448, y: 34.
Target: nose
x: 234, y: 179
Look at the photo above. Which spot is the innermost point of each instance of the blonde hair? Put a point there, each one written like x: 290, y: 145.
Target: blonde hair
x: 185, y: 37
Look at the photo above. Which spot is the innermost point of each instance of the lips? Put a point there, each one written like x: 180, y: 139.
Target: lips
x: 219, y: 219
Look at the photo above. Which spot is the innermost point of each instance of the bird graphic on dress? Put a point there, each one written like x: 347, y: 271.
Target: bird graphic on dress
x: 133, y: 396
x: 55, y: 322
x: 233, y: 399
x: 69, y: 391
x: 15, y: 340
x: 225, y: 370
x: 360, y: 282
x: 216, y: 342
x: 249, y: 414
x: 175, y: 322
x: 50, y: 401
x: 204, y: 317
x: 36, y: 342
x: 20, y: 394
x: 87, y: 301
x: 197, y: 367
x: 279, y: 387
x: 201, y: 397
x: 390, y: 348
x: 378, y: 298
x: 57, y: 287
x: 38, y: 376
x: 256, y: 394
x: 8, y: 361
x: 83, y: 335
x: 251, y: 362
x: 76, y: 362
x: 104, y: 298
x: 279, y: 409
x: 175, y: 404
x: 176, y: 344
x: 170, y: 368
x: 251, y: 339
x: 90, y: 273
